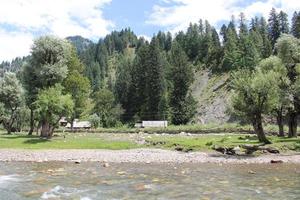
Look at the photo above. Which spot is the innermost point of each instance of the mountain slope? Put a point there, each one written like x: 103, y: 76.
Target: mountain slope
x: 80, y: 43
x: 212, y: 93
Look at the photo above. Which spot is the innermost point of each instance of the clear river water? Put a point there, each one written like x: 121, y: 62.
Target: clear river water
x: 85, y: 181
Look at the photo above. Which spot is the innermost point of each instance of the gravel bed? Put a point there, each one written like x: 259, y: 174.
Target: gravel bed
x: 137, y: 156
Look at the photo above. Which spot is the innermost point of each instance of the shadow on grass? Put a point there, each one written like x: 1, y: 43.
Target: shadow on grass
x: 6, y: 136
x: 286, y: 139
x: 246, y: 142
x: 254, y: 137
x: 36, y: 141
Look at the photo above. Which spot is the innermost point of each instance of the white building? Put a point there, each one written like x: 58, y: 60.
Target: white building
x: 154, y: 124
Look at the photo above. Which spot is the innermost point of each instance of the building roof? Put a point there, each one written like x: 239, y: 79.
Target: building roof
x: 80, y: 124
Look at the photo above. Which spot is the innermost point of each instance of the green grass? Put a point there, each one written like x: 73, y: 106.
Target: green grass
x: 75, y: 141
x: 193, y: 128
x: 117, y: 141
x: 206, y: 142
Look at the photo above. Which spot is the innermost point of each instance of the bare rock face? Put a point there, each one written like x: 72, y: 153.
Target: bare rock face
x: 212, y: 94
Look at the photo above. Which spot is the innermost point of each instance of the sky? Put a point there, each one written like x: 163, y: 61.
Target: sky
x: 21, y: 21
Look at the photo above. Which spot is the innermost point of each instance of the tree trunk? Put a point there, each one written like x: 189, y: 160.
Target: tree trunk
x: 45, y: 132
x: 292, y: 124
x: 258, y: 129
x: 8, y: 130
x: 31, y: 122
x: 72, y: 125
x: 10, y: 123
x: 279, y: 118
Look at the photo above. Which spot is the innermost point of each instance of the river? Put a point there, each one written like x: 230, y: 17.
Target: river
x: 90, y: 180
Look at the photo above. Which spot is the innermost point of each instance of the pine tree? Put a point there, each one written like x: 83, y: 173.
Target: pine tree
x: 274, y: 26
x: 181, y: 78
x: 223, y: 32
x: 137, y: 88
x: 257, y: 40
x: 249, y: 53
x: 267, y: 46
x: 243, y: 25
x: 254, y: 24
x: 295, y: 30
x: 123, y: 80
x: 232, y: 27
x: 155, y: 83
x: 283, y: 22
x: 215, y: 52
x: 192, y: 42
x: 168, y: 43
x: 232, y: 53
x: 249, y: 56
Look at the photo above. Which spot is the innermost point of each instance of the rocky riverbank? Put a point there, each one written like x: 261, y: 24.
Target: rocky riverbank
x: 138, y: 156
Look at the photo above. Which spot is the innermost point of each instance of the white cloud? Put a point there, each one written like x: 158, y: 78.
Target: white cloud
x: 21, y: 19
x: 146, y: 37
x: 177, y: 17
x: 14, y: 44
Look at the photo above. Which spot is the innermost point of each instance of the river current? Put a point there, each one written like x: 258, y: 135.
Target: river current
x: 90, y: 180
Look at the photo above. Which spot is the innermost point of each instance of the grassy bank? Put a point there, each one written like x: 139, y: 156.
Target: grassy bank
x: 63, y: 141
x: 116, y: 141
x: 194, y: 128
x: 207, y: 142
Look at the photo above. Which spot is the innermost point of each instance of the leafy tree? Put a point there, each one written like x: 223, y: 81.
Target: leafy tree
x: 288, y: 48
x: 11, y: 99
x: 22, y: 118
x: 94, y: 119
x: 275, y: 64
x: 254, y: 94
x: 181, y: 78
x: 47, y: 66
x: 105, y: 108
x: 51, y: 106
x: 76, y: 85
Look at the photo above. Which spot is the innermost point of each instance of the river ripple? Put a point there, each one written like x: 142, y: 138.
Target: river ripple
x: 90, y: 180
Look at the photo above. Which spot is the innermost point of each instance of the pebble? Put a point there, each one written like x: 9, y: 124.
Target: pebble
x: 276, y: 161
x: 105, y: 165
x: 77, y: 162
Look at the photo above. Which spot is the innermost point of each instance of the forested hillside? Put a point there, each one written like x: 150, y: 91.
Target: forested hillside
x: 240, y: 44
x: 185, y: 77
